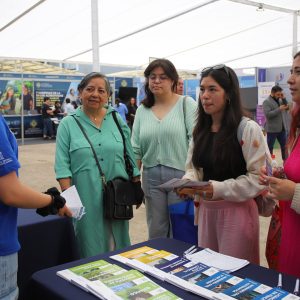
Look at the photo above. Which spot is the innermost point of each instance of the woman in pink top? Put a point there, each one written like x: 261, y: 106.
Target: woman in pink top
x: 289, y: 189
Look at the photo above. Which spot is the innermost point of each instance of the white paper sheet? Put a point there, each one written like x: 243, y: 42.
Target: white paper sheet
x: 217, y: 260
x: 73, y: 202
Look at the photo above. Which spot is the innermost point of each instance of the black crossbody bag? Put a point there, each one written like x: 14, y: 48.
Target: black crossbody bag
x: 119, y: 194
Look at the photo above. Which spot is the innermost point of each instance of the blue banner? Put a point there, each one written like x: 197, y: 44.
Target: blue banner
x: 14, y: 124
x: 56, y: 91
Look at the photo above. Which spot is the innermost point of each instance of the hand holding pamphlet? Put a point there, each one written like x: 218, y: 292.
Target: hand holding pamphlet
x: 177, y: 183
x: 73, y: 202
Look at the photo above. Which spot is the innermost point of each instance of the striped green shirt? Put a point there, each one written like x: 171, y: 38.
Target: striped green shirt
x: 164, y: 142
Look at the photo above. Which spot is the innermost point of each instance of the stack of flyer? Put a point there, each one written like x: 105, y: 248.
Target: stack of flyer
x: 146, y: 259
x: 217, y: 260
x: 109, y: 281
x: 192, y: 273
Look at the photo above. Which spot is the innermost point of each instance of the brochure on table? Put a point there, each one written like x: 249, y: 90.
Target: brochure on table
x: 110, y: 281
x: 205, y: 273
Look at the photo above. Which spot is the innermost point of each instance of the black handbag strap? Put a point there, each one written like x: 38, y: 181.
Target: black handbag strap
x: 93, y: 150
x: 128, y: 165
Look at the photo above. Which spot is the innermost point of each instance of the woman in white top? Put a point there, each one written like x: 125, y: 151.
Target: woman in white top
x: 161, y: 132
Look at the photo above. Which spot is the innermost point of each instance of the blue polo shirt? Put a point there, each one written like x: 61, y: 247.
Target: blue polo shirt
x: 8, y: 215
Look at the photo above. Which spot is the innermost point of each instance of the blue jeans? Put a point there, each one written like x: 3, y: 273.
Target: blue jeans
x: 8, y: 277
x: 281, y: 137
x: 157, y: 201
x: 48, y: 127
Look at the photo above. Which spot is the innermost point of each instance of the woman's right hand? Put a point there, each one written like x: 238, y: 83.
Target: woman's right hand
x: 185, y: 192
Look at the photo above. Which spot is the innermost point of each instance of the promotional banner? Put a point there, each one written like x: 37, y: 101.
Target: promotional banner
x: 56, y: 91
x: 260, y: 116
x: 14, y: 124
x: 11, y: 96
x: 264, y: 91
x: 33, y: 126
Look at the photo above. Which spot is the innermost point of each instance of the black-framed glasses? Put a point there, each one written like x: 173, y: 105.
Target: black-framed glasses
x: 217, y: 67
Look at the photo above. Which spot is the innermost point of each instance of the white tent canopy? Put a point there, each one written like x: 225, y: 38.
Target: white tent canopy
x: 191, y: 33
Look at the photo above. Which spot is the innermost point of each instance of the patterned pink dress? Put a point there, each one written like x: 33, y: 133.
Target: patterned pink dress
x: 289, y: 254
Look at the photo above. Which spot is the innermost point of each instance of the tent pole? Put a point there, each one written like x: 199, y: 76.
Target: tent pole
x: 295, y: 21
x: 95, y: 35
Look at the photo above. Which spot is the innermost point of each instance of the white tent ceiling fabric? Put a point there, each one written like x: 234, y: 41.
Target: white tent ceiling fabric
x: 219, y: 32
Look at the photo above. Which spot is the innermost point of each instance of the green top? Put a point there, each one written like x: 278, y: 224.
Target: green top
x: 164, y: 142
x: 74, y: 159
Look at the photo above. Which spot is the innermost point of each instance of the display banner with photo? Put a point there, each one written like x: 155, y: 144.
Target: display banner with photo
x: 11, y: 93
x: 56, y: 91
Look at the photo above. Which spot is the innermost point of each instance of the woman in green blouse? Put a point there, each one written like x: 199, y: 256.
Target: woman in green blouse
x: 75, y: 164
x: 160, y: 136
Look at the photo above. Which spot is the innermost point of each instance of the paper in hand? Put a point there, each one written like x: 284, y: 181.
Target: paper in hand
x: 73, y: 202
x: 176, y: 183
x: 268, y: 167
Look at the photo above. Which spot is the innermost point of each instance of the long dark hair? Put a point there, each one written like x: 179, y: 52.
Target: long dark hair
x: 226, y: 145
x: 169, y: 70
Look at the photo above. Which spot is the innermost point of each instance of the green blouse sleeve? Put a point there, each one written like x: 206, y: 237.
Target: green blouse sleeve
x: 62, y: 157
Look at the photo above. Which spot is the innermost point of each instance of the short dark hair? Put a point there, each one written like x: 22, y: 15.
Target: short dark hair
x: 169, y: 70
x: 87, y: 78
x: 68, y: 100
x: 46, y: 98
x: 276, y: 88
x: 297, y: 54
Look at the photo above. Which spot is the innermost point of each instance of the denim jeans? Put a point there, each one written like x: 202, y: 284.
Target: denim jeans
x: 48, y: 127
x: 157, y: 201
x: 8, y: 277
x: 281, y: 137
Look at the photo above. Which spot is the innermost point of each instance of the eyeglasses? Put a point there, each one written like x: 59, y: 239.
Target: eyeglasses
x: 217, y: 67
x: 160, y: 78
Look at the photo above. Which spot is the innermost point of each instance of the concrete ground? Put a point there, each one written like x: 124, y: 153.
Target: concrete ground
x: 37, y: 170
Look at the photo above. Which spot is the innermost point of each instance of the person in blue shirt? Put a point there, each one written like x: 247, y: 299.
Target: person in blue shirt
x: 14, y: 194
x: 121, y: 108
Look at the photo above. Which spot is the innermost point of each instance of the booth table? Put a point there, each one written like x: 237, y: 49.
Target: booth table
x: 45, y: 242
x: 47, y: 285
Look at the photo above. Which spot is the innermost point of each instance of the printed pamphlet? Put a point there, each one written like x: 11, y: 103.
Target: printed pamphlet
x: 217, y: 260
x: 176, y: 183
x: 124, y: 257
x: 246, y: 289
x: 93, y: 271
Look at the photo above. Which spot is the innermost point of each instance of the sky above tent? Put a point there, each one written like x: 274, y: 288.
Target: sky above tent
x: 212, y: 32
